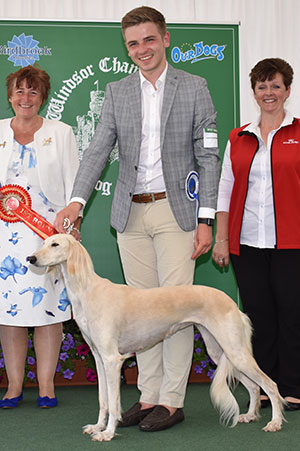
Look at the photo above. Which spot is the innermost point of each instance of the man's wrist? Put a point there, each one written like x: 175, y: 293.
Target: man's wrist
x: 207, y: 221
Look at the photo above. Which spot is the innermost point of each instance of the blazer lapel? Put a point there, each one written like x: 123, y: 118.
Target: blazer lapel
x: 135, y: 106
x: 169, y: 94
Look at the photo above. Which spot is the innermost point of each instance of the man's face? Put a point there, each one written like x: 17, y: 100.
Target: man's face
x: 146, y: 47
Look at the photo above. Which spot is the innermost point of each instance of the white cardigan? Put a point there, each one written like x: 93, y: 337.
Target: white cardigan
x: 57, y: 158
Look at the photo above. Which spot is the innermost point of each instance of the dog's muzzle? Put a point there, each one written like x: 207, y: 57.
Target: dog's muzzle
x: 31, y: 259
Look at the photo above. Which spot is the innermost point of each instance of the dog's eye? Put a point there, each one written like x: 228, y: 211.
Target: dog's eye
x: 54, y: 244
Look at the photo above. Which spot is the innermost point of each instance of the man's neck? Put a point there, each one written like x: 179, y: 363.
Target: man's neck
x: 152, y: 77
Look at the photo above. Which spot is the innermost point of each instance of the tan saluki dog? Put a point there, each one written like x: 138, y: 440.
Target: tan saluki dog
x: 117, y: 320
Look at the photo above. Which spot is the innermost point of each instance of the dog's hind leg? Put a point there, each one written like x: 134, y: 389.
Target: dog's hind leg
x: 254, y: 392
x: 254, y: 373
x: 245, y: 363
x: 221, y: 395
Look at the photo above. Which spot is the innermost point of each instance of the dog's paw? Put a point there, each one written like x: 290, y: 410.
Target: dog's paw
x: 91, y: 429
x: 247, y: 418
x: 104, y: 436
x: 273, y: 426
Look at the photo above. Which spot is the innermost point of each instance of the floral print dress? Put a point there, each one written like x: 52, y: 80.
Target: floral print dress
x: 28, y: 296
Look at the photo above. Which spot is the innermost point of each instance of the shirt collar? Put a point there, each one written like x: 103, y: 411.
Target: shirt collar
x: 160, y: 81
x: 254, y: 126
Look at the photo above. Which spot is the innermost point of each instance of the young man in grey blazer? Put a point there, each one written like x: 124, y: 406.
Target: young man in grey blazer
x: 160, y: 117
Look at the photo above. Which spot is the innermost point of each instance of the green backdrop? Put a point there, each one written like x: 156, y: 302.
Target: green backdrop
x: 81, y: 59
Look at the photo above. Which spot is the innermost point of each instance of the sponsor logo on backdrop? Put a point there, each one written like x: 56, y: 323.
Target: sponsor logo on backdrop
x: 196, y: 52
x: 24, y: 50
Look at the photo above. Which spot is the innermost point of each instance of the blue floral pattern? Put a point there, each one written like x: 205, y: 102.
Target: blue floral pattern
x: 37, y: 294
x: 11, y: 266
x: 63, y: 301
x: 28, y: 296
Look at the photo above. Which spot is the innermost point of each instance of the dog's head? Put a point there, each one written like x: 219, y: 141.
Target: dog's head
x: 55, y: 250
x: 63, y: 248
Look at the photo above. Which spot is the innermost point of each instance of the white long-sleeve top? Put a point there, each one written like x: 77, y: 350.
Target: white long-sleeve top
x: 258, y: 225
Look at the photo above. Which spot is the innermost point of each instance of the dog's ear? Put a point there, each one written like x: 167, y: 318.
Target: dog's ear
x: 74, y: 263
x: 79, y: 263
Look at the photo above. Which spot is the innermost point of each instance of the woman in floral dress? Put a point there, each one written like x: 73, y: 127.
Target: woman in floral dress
x: 40, y: 156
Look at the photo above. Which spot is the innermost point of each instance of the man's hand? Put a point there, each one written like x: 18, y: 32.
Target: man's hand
x: 203, y: 240
x: 71, y: 212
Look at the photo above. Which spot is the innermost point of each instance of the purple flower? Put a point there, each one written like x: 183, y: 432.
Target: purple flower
x: 2, y: 364
x: 58, y: 368
x: 70, y: 339
x: 68, y: 374
x: 197, y: 337
x: 198, y: 350
x: 31, y: 375
x: 209, y: 360
x: 63, y: 356
x: 210, y: 373
x: 204, y: 363
x: 131, y: 364
x: 198, y: 369
x: 66, y: 346
x: 30, y: 360
x: 30, y: 343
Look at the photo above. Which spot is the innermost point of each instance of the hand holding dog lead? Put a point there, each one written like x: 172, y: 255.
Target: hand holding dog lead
x: 71, y: 213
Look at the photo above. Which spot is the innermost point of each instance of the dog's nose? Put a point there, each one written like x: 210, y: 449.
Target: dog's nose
x: 31, y: 259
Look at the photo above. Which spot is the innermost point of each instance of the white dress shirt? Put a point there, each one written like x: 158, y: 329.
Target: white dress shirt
x: 150, y: 175
x: 258, y: 225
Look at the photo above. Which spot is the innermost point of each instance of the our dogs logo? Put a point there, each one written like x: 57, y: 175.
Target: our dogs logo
x: 23, y: 50
x: 197, y: 52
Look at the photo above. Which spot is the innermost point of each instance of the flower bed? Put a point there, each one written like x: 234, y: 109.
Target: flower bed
x: 76, y: 365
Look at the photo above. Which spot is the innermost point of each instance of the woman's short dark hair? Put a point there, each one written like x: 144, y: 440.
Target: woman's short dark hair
x: 267, y: 68
x: 35, y: 77
x: 141, y: 15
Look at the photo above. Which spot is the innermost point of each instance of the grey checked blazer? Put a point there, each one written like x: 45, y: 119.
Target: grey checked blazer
x: 187, y: 109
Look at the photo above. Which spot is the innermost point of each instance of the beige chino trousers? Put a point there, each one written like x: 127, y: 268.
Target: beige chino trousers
x: 156, y: 252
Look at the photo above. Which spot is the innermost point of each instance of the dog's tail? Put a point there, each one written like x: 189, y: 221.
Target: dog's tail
x: 221, y: 395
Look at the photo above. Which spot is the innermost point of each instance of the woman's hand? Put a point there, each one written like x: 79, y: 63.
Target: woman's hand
x: 220, y: 253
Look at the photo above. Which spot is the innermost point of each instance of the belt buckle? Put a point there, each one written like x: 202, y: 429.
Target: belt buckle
x: 152, y: 197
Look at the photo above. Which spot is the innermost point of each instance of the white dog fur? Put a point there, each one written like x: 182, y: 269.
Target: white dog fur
x: 117, y: 320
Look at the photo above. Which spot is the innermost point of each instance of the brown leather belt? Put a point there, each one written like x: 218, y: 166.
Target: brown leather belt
x: 148, y: 197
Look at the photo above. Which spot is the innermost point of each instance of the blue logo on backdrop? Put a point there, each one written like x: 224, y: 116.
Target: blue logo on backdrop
x: 197, y: 52
x: 23, y: 50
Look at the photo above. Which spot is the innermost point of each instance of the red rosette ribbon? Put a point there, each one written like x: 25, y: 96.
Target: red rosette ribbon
x: 15, y: 206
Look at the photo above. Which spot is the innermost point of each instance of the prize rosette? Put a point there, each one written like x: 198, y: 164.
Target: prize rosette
x: 192, y: 189
x: 15, y: 205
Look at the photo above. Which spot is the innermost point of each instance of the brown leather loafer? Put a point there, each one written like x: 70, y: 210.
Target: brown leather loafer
x: 160, y: 419
x: 134, y: 415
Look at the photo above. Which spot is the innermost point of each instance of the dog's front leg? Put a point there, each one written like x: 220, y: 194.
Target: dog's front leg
x: 113, y: 371
x: 103, y: 399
